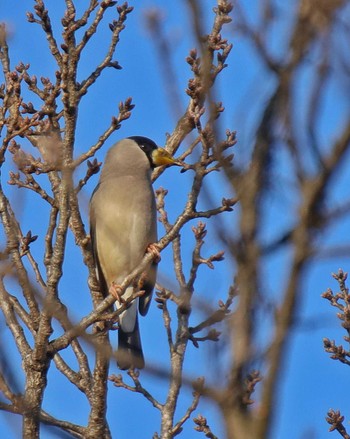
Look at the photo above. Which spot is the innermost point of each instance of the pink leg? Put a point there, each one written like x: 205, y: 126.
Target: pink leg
x: 154, y: 250
x: 115, y: 290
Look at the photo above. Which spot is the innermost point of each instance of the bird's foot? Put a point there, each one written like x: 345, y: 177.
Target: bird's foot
x: 111, y: 325
x: 100, y: 327
x: 116, y: 292
x: 106, y: 325
x: 155, y: 252
x: 141, y: 282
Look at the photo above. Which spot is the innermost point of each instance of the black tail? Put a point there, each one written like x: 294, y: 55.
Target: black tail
x: 130, y: 355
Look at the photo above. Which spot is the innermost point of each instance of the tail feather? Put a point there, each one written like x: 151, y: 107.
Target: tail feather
x: 129, y: 354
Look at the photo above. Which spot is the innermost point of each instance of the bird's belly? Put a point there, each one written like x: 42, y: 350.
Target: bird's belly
x: 125, y: 236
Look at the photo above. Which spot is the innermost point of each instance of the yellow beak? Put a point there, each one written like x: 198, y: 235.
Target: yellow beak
x: 161, y: 157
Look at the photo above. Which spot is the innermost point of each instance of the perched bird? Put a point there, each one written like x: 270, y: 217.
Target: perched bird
x: 122, y: 228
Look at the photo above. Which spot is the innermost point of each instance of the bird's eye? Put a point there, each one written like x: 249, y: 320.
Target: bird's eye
x: 142, y: 146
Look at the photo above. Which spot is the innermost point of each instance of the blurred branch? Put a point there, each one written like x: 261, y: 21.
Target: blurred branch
x: 164, y: 47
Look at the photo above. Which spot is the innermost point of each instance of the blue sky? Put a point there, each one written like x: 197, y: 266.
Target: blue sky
x: 311, y: 383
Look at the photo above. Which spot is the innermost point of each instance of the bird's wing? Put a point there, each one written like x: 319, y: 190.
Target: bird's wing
x: 99, y: 274
x: 148, y: 286
x: 126, y: 228
x: 145, y: 300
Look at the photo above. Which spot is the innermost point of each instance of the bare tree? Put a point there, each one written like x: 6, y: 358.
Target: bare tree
x: 312, y: 167
x: 47, y: 124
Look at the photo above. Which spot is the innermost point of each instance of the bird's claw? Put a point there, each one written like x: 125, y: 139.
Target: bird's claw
x: 116, y: 292
x: 155, y: 252
x: 100, y: 327
x: 106, y: 325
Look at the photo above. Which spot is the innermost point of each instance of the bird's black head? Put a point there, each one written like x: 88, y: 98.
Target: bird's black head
x: 157, y: 156
x: 147, y: 145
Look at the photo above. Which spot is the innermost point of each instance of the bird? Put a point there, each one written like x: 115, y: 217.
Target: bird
x: 123, y: 227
